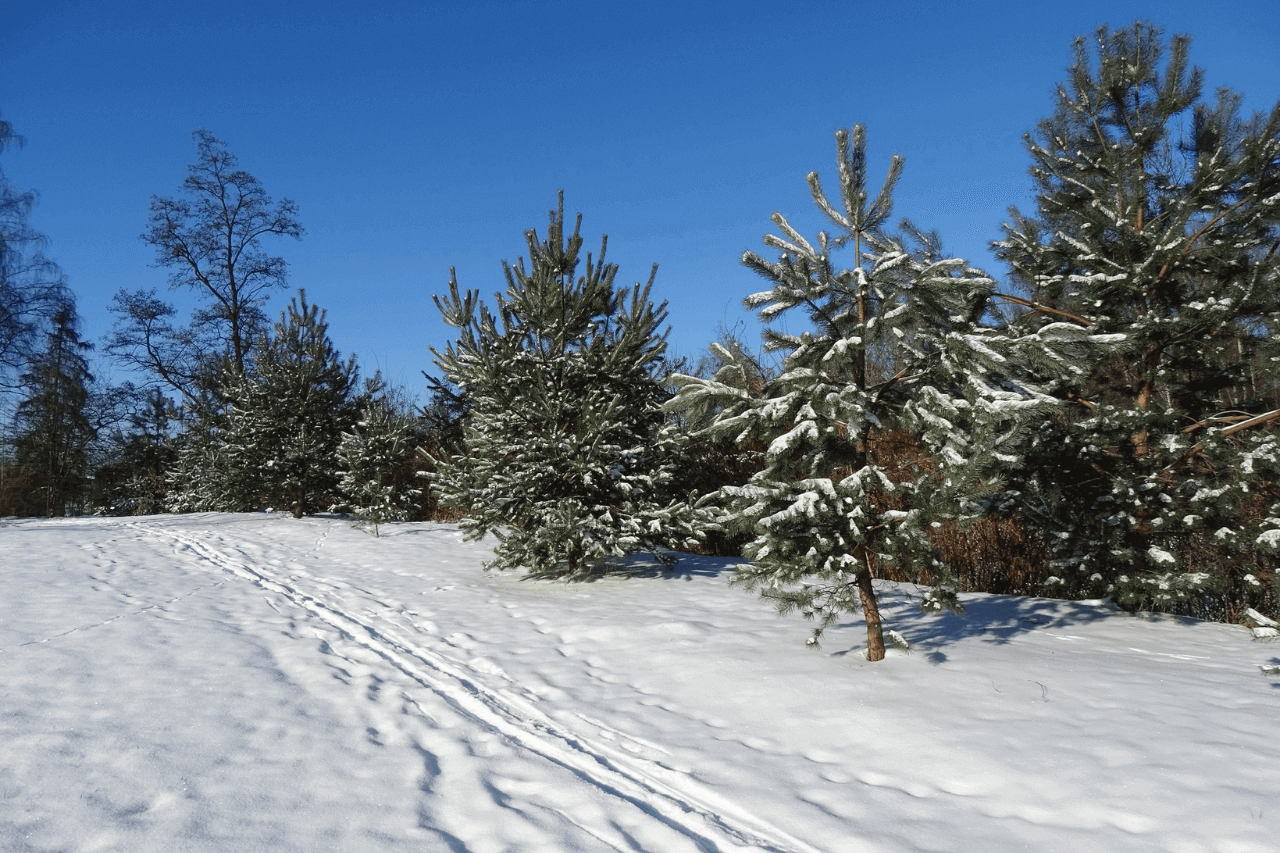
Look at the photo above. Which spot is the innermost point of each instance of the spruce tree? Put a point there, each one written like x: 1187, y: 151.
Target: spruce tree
x: 894, y: 343
x: 1157, y: 218
x: 566, y: 460
x: 53, y: 431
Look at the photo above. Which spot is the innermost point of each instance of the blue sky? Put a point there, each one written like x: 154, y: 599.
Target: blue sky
x: 419, y: 136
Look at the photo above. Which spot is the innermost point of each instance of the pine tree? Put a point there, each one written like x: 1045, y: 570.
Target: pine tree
x: 53, y: 432
x: 708, y: 463
x: 1158, y: 218
x: 289, y: 415
x: 566, y: 459
x: 276, y: 444
x: 204, y: 477
x: 371, y: 456
x: 896, y: 345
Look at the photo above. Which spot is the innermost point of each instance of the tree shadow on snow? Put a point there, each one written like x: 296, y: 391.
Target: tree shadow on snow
x: 647, y: 566
x: 996, y: 619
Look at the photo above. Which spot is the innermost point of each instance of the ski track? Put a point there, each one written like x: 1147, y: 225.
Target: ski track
x: 671, y: 797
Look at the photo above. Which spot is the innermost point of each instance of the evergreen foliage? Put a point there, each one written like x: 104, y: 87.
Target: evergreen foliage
x: 443, y: 417
x: 53, y: 432
x: 440, y: 437
x: 1158, y: 218
x: 711, y: 462
x: 371, y: 455
x: 276, y: 444
x: 566, y: 458
x: 202, y: 478
x: 896, y: 344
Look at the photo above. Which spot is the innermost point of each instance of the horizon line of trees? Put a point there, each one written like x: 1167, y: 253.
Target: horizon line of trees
x: 1104, y: 427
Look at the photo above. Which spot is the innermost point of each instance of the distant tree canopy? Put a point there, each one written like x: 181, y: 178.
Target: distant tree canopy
x: 32, y: 288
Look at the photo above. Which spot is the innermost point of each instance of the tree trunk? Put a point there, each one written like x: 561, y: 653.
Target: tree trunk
x: 1150, y: 363
x: 871, y: 611
x: 1141, y: 442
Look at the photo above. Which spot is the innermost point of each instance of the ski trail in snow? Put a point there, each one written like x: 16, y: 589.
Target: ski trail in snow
x: 708, y: 820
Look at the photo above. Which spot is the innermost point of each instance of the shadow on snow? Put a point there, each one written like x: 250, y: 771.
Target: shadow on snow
x: 646, y: 565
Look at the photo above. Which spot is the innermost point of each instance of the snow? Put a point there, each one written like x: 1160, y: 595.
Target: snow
x: 224, y: 682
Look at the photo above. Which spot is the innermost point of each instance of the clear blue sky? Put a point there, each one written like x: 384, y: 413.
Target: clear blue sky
x: 419, y: 136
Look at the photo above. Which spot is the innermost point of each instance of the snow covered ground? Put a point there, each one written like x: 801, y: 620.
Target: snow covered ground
x: 256, y: 683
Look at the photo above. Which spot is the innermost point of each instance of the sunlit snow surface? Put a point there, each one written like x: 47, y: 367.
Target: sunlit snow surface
x: 256, y: 683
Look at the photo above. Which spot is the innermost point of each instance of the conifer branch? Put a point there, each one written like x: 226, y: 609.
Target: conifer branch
x: 1045, y: 309
x: 1164, y: 270
x: 1257, y: 420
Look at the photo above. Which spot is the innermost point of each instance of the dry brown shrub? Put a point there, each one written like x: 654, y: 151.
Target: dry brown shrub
x: 18, y: 492
x: 15, y: 486
x: 988, y: 555
x: 993, y: 555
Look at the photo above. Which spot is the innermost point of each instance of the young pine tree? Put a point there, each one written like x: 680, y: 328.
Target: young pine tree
x: 203, y: 477
x: 893, y: 344
x: 277, y: 442
x: 1157, y: 218
x: 371, y: 456
x: 566, y: 458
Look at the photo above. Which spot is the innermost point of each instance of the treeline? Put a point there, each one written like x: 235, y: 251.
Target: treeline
x: 1102, y: 425
x: 232, y: 412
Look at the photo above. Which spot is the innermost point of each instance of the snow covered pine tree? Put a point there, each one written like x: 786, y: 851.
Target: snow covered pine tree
x: 896, y: 345
x: 370, y: 454
x: 1158, y: 217
x: 567, y: 460
x: 277, y: 445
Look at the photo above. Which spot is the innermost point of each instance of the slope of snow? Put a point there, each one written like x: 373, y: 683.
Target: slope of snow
x: 256, y: 683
